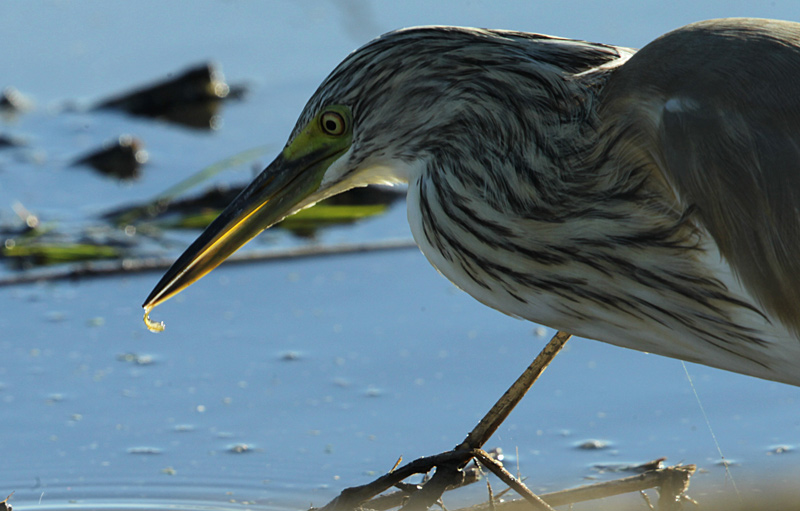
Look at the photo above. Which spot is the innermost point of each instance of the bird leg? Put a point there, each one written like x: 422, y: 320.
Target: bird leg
x: 449, y: 465
x: 450, y: 474
x: 492, y: 420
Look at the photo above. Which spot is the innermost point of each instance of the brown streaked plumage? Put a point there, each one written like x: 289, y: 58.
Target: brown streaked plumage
x: 647, y: 199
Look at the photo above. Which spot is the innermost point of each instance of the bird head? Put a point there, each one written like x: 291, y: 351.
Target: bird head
x: 314, y: 164
x: 331, y: 149
x: 380, y: 116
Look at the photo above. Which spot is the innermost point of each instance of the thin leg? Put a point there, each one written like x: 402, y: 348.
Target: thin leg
x: 492, y: 420
x: 449, y: 474
x: 449, y: 465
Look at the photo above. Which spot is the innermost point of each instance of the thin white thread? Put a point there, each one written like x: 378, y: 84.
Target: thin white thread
x: 728, y: 473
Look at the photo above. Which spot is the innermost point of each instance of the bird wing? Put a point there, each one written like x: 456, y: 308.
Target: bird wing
x: 717, y: 108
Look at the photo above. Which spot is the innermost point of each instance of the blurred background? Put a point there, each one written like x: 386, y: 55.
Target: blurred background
x: 278, y: 383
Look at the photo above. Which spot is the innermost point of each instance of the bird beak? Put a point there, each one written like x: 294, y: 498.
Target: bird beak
x: 285, y: 186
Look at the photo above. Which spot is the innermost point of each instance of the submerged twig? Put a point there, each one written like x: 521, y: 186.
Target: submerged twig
x: 354, y: 497
x: 126, y: 266
x: 672, y: 482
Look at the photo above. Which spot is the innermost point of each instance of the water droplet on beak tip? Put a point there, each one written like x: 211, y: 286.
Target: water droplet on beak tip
x: 153, y: 326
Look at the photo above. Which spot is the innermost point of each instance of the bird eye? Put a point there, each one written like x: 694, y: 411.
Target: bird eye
x: 332, y: 123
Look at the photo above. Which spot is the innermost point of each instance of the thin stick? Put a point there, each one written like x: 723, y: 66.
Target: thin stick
x: 492, y: 420
x: 351, y: 498
x: 650, y: 479
x: 94, y: 269
x: 505, y: 476
x: 665, y: 478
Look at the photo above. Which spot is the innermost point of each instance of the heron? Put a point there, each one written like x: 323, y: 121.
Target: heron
x: 648, y: 199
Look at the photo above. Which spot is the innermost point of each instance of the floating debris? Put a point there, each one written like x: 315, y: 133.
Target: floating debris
x: 780, y: 449
x: 240, y: 448
x: 56, y: 316
x: 122, y: 158
x: 7, y: 141
x: 342, y: 382
x: 135, y: 358
x: 191, y: 98
x: 96, y: 321
x: 54, y: 398
x: 629, y: 467
x: 291, y: 356
x: 12, y: 100
x: 373, y: 392
x: 145, y: 450
x: 593, y: 444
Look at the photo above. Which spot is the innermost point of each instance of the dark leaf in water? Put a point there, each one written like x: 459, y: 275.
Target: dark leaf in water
x: 7, y: 141
x: 214, y: 199
x: 306, y: 222
x: 122, y: 159
x: 191, y: 98
x: 218, y: 197
x: 198, y: 212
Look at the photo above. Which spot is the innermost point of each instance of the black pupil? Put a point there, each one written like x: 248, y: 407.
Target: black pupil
x: 331, y: 125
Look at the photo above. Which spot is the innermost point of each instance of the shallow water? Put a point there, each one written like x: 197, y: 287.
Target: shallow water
x: 276, y: 385
x: 281, y: 383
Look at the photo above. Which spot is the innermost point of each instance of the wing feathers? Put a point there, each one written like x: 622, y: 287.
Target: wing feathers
x: 717, y: 106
